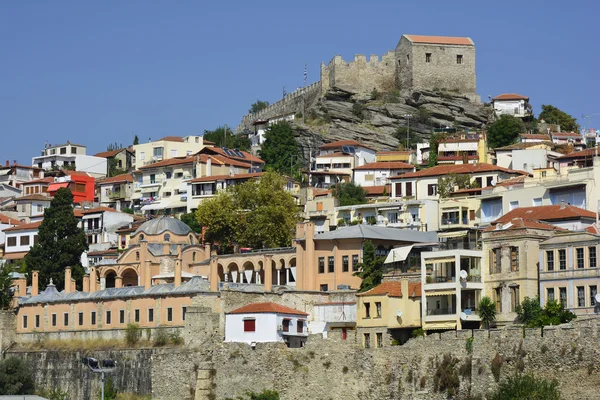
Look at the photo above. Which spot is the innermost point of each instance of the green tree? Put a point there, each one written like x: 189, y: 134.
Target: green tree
x: 5, y: 284
x: 190, y: 220
x: 530, y: 313
x: 227, y: 138
x: 504, y: 131
x: 114, y: 146
x: 527, y: 387
x: 136, y: 140
x: 15, y: 377
x: 434, y: 143
x: 553, y: 115
x: 487, y: 311
x: 258, y: 106
x: 257, y: 213
x: 280, y: 149
x: 60, y: 243
x: 349, y: 194
x: 447, y: 184
x: 370, y: 270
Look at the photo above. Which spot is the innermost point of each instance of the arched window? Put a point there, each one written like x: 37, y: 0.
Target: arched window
x: 137, y: 256
x: 142, y: 236
x: 191, y: 238
x: 167, y: 237
x: 194, y: 256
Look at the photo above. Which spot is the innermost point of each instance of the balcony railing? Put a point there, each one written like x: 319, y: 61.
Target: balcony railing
x: 441, y: 311
x: 455, y: 221
x: 442, y: 279
x: 473, y: 278
x: 116, y: 195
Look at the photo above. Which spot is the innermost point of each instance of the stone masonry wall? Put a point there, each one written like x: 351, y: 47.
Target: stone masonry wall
x: 360, y: 75
x: 8, y: 329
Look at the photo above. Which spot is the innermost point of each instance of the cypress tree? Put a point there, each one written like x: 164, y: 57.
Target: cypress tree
x: 60, y: 244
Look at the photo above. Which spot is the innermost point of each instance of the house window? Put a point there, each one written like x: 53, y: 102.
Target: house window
x: 73, y: 150
x: 513, y: 205
x: 142, y: 156
x: 489, y: 180
x: 157, y: 152
x: 459, y: 59
x: 550, y: 260
x: 169, y: 314
x: 580, y: 259
x: 321, y: 265
x: 152, y: 178
x: 398, y: 189
x: 151, y: 315
x: 409, y: 189
x: 367, y: 338
x: 40, y: 208
x: 80, y: 317
x: 427, y: 57
x: 495, y: 261
x: 300, y: 326
x: 121, y: 316
x: 35, y: 239
x: 250, y: 325
x: 285, y: 325
x: 108, y: 318
x: 24, y: 321
x: 367, y: 310
x: 580, y: 296
x: 355, y: 262
x: 330, y: 264
x: 345, y: 263
x: 562, y: 295
x: 562, y: 259
x: 378, y: 308
x: 63, y: 150
x: 24, y: 241
x: 514, y: 259
x: 514, y: 297
x: 66, y: 319
x: 93, y: 318
x: 11, y: 241
x: 550, y: 294
x: 471, y: 215
x: 183, y: 312
x: 37, y: 321
x: 592, y: 256
x: 323, y: 288
x: 53, y: 319
x: 498, y: 296
x: 168, y: 174
x: 167, y: 237
x: 432, y: 189
x: 392, y: 217
x: 537, y: 201
x: 379, y: 338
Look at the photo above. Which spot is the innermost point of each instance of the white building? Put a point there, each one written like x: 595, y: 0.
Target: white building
x: 5, y: 223
x: 19, y: 239
x: 166, y: 148
x: 100, y: 226
x: 31, y: 208
x: 378, y: 173
x: 336, y: 161
x: 72, y: 156
x: 334, y: 316
x: 257, y: 138
x: 512, y: 104
x: 266, y: 322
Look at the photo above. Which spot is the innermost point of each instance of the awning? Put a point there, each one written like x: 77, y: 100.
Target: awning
x: 53, y: 187
x: 452, y: 234
x: 389, y: 208
x: 149, y: 189
x: 445, y: 292
x: 154, y: 206
x: 439, y: 260
x: 398, y: 254
x: 5, y: 172
x: 433, y: 326
x: 15, y: 256
x: 136, y: 196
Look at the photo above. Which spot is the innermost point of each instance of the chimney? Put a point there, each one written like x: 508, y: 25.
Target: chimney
x: 34, y: 282
x: 7, y: 163
x: 86, y: 283
x: 68, y: 285
x: 177, y: 280
x: 93, y: 280
x: 562, y: 205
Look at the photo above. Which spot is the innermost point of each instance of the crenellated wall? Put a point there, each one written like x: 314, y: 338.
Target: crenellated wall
x: 360, y: 75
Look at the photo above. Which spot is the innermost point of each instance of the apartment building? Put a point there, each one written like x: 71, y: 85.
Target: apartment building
x: 15, y: 174
x: 81, y: 185
x: 70, y: 156
x: 165, y: 148
x: 379, y: 173
x: 19, y: 239
x: 115, y: 192
x: 336, y: 161
x: 31, y: 208
x: 512, y: 104
x: 100, y: 226
x: 119, y: 159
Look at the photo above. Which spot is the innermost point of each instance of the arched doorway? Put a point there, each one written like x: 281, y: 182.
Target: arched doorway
x: 130, y: 278
x: 109, y: 279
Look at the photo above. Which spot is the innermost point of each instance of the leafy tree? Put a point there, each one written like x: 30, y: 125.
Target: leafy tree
x: 15, y: 377
x: 227, y: 138
x: 113, y: 170
x: 487, y: 311
x: 527, y: 387
x: 553, y: 115
x: 349, y: 194
x: 136, y: 140
x: 190, y: 220
x: 504, y: 131
x: 447, y: 184
x: 5, y: 284
x: 530, y: 313
x: 60, y: 243
x: 370, y: 270
x: 434, y: 144
x: 256, y: 213
x: 280, y: 148
x: 114, y: 146
x: 258, y: 106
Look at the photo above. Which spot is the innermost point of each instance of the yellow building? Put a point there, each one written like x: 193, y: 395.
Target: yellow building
x: 165, y: 148
x: 388, y: 312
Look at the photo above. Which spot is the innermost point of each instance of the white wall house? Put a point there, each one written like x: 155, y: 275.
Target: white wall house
x: 31, y: 208
x: 266, y: 322
x: 19, y: 239
x: 336, y: 161
x: 5, y: 223
x: 334, y: 316
x: 70, y: 155
x: 379, y: 173
x: 100, y: 226
x: 512, y: 104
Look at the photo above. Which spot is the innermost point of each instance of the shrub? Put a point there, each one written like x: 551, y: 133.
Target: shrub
x: 417, y: 333
x: 375, y: 94
x: 497, y: 362
x: 446, y: 376
x: 469, y: 345
x: 465, y: 368
x: 175, y: 338
x: 15, y: 377
x: 520, y: 365
x: 133, y: 334
x: 341, y: 222
x: 359, y: 110
x: 161, y: 337
x: 527, y: 387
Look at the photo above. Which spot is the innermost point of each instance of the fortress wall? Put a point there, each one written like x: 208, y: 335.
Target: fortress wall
x: 361, y: 75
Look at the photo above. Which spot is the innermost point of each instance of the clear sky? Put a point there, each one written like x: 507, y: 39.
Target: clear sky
x: 99, y: 72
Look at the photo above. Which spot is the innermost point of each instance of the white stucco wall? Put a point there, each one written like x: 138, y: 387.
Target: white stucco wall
x: 18, y: 248
x: 266, y: 327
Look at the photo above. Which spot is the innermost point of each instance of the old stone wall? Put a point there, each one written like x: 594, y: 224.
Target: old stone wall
x: 98, y: 334
x: 8, y: 329
x: 360, y: 75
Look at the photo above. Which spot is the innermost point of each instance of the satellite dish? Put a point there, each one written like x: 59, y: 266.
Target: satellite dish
x: 84, y: 260
x: 399, y: 314
x: 463, y: 316
x: 463, y: 274
x: 597, y: 297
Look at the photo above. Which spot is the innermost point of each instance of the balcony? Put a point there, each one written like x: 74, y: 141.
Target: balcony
x: 116, y: 195
x: 441, y: 311
x: 455, y: 221
x: 318, y: 213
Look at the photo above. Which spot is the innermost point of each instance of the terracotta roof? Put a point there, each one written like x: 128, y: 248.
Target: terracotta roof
x: 38, y: 197
x: 23, y: 227
x: 521, y: 223
x: 115, y: 179
x: 4, y: 219
x: 227, y: 177
x: 111, y: 153
x: 547, y: 213
x: 442, y: 157
x: 336, y: 154
x: 591, y: 152
x: 266, y: 308
x: 512, y: 181
x: 169, y: 162
x: 98, y: 210
x: 385, y: 165
x: 510, y: 96
x: 593, y: 229
x: 248, y: 158
x: 19, y: 166
x: 48, y: 179
x: 341, y: 143
x: 172, y: 139
x: 466, y: 191
x: 440, y: 170
x: 223, y: 160
x: 523, y: 145
x: 204, y: 141
x: 461, y: 41
x: 535, y: 136
x: 77, y: 212
x: 394, y: 289
x: 377, y: 190
x: 394, y: 152
x: 567, y: 134
x: 321, y: 193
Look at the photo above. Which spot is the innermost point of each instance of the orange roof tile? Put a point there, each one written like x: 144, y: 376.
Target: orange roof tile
x: 317, y: 193
x: 440, y: 170
x: 547, y: 213
x: 534, y: 136
x: 394, y: 289
x: 341, y: 143
x: 587, y: 153
x: 567, y: 134
x: 227, y: 177
x: 4, y: 219
x: 38, y: 197
x: 461, y: 41
x: 336, y: 154
x: 23, y: 227
x: 385, y: 165
x: 110, y: 153
x: 172, y: 139
x: 266, y: 308
x: 378, y: 190
x: 169, y: 162
x: 510, y: 96
x: 394, y: 152
x: 48, y: 179
x: 115, y: 179
x: 521, y: 223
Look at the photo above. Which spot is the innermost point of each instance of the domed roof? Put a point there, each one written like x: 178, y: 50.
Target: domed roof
x: 161, y: 224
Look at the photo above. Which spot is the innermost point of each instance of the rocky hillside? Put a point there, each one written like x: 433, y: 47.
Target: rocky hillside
x: 378, y: 120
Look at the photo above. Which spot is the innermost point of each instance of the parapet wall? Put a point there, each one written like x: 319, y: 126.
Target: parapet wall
x: 360, y: 75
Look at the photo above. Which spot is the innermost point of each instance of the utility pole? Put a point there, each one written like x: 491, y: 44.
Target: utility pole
x: 224, y: 136
x: 408, y: 117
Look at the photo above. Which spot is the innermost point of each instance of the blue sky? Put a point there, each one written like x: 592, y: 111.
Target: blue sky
x: 100, y: 72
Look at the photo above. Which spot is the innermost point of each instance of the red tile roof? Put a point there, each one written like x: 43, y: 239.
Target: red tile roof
x: 4, y: 219
x: 266, y: 308
x: 547, y: 213
x: 567, y: 135
x: 98, y: 210
x: 116, y: 179
x: 460, y: 41
x: 38, y: 197
x: 440, y: 170
x: 317, y: 193
x: 535, y: 136
x: 510, y: 96
x: 377, y: 190
x: 593, y: 229
x: 521, y: 223
x: 49, y: 179
x: 227, y: 177
x: 23, y: 227
x: 341, y: 143
x: 587, y: 153
x: 394, y: 289
x: 169, y: 162
x: 395, y: 152
x: 385, y: 165
x: 77, y: 212
x: 172, y: 139
x: 336, y: 154
x: 111, y: 153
